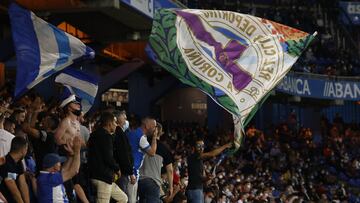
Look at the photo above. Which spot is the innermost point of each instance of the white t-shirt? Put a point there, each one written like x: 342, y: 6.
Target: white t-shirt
x: 5, y: 142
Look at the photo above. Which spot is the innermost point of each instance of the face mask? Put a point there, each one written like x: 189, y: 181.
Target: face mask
x: 76, y: 112
x: 125, y: 126
x: 208, y: 200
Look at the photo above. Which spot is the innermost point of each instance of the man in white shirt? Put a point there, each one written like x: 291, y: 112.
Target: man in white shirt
x: 6, y: 138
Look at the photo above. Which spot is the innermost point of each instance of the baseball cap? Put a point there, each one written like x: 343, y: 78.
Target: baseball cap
x: 51, y: 159
x: 68, y: 100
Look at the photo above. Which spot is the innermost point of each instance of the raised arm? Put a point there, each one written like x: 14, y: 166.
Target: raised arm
x: 29, y: 124
x: 215, y: 152
x: 152, y: 149
x: 72, y: 165
x: 31, y: 117
x: 33, y: 132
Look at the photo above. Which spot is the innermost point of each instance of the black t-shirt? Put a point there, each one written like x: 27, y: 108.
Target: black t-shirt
x: 165, y: 153
x: 10, y: 170
x: 195, y: 170
x: 122, y: 152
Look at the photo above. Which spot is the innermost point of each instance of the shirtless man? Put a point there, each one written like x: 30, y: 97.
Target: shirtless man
x: 69, y: 126
x: 68, y: 129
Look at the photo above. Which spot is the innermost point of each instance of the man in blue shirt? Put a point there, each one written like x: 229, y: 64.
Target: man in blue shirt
x: 51, y: 178
x: 140, y: 146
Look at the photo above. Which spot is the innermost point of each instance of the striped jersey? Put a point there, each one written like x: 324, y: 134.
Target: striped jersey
x: 51, y: 188
x: 139, y: 145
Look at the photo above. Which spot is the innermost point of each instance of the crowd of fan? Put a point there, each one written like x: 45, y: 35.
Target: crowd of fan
x: 284, y: 163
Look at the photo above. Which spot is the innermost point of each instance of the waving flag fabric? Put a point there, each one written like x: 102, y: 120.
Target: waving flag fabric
x: 234, y: 58
x: 81, y: 84
x: 41, y: 48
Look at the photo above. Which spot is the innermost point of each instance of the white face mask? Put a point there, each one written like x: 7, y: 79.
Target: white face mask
x: 208, y: 200
x: 186, y: 182
x: 125, y: 126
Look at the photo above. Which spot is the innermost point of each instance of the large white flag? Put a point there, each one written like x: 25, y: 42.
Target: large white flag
x: 234, y: 58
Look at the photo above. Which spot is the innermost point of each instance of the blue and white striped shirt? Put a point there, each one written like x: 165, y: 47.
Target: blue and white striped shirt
x: 51, y: 188
x: 139, y: 146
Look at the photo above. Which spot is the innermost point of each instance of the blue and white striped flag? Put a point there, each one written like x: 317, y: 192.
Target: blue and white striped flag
x: 41, y: 48
x: 81, y: 84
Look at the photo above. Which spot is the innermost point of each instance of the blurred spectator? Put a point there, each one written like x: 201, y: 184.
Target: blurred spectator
x: 102, y: 164
x: 122, y: 151
x: 9, y: 125
x: 180, y: 198
x: 18, y: 116
x: 42, y: 136
x: 140, y: 146
x: 5, y: 138
x: 150, y: 180
x: 196, y: 169
x: 80, y: 180
x: 51, y: 178
x: 13, y: 185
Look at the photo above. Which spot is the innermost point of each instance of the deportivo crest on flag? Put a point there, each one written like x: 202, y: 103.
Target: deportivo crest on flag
x: 234, y: 58
x: 41, y: 48
x: 81, y: 84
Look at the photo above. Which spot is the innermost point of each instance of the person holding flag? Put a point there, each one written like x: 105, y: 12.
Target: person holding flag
x: 194, y: 191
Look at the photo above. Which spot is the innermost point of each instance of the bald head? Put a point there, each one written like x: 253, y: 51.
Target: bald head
x: 148, y: 125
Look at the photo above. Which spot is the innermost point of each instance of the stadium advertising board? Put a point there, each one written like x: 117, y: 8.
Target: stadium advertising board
x: 319, y: 88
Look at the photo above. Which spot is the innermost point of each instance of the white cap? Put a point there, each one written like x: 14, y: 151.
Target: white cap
x: 68, y: 100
